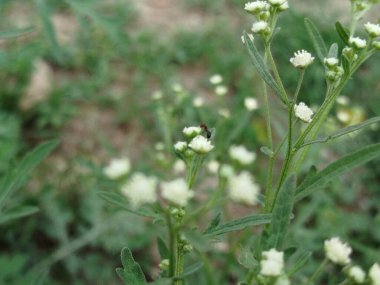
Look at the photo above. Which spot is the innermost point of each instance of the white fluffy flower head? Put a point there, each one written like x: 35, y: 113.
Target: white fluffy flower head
x: 256, y: 6
x: 226, y: 171
x: 213, y: 166
x: 303, y: 112
x: 201, y: 145
x: 356, y: 274
x: 140, y: 189
x: 241, y: 154
x: 242, y: 188
x: 337, y: 251
x: 357, y: 42
x: 284, y: 6
x: 276, y: 2
x: 251, y: 103
x: 177, y: 192
x: 198, y: 102
x: 374, y: 274
x: 191, y: 131
x: 117, y: 168
x: 216, y: 79
x: 331, y: 61
x: 372, y: 29
x: 272, y: 263
x: 221, y: 90
x: 260, y: 27
x: 302, y: 59
x: 180, y: 146
x: 179, y: 166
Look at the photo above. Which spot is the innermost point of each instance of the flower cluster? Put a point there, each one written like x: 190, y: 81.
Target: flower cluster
x: 272, y: 263
x: 240, y: 154
x: 302, y: 59
x: 303, y: 112
x: 217, y: 81
x: 242, y: 188
x: 117, y: 168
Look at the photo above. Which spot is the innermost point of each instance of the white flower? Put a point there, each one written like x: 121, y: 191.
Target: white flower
x: 343, y: 115
x: 241, y: 154
x: 157, y: 95
x: 251, y: 103
x: 216, y: 79
x: 242, y: 188
x: 117, y: 168
x: 180, y: 146
x: 284, y: 6
x: 331, y: 61
x: 191, y: 131
x: 372, y: 29
x: 213, y: 166
x: 250, y: 36
x: 179, y: 166
x: 283, y: 280
x: 256, y: 6
x: 374, y: 274
x: 260, y: 26
x: 302, y: 59
x: 357, y: 274
x: 226, y: 171
x: 357, y: 42
x: 303, y: 112
x: 140, y: 189
x: 277, y: 2
x: 343, y: 100
x: 272, y: 263
x: 221, y: 90
x: 201, y: 145
x: 198, y: 102
x: 337, y: 251
x: 177, y: 192
x: 176, y: 87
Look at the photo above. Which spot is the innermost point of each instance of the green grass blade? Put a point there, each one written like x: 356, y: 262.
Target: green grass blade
x: 336, y: 168
x: 316, y: 37
x: 281, y: 215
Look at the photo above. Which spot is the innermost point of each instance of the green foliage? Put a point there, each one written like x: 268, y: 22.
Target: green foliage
x: 131, y: 273
x: 316, y: 37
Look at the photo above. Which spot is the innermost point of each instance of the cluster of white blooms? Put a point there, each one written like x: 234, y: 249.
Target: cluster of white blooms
x: 302, y: 59
x: 117, y: 168
x: 201, y: 145
x: 337, y: 251
x: 242, y: 188
x: 213, y: 166
x: 277, y: 2
x: 191, y: 131
x: 251, y: 103
x: 140, y: 189
x: 221, y: 90
x: 357, y: 42
x: 372, y: 29
x: 256, y: 6
x: 216, y: 79
x: 179, y: 166
x: 260, y: 27
x: 356, y: 274
x: 226, y: 171
x: 177, y: 192
x: 303, y: 112
x: 374, y: 274
x: 331, y: 61
x: 198, y: 102
x: 241, y: 154
x: 180, y: 146
x: 272, y: 263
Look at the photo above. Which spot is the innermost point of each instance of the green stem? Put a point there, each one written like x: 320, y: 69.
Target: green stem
x: 194, y: 168
x: 172, y: 246
x: 179, y: 265
x: 317, y: 273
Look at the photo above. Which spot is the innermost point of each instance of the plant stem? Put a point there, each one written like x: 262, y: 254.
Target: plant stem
x: 318, y: 272
x: 172, y: 246
x: 193, y: 171
x: 276, y: 74
x: 179, y: 264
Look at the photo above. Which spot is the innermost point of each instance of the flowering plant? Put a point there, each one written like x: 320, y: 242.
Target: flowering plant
x: 185, y: 221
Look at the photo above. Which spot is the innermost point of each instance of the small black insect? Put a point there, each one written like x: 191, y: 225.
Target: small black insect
x: 206, y: 130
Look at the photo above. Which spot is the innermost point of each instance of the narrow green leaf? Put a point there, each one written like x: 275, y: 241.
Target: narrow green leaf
x: 17, y: 213
x: 13, y: 33
x: 120, y: 201
x: 344, y: 131
x: 261, y: 68
x: 247, y: 259
x: 318, y: 42
x: 239, y: 224
x: 346, y: 65
x: 162, y: 249
x: 16, y: 177
x: 281, y: 214
x: 131, y: 273
x: 336, y: 168
x: 342, y: 32
x: 333, y: 51
x: 215, y: 222
x: 301, y: 262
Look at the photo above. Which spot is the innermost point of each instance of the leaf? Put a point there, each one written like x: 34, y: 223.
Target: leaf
x: 346, y: 65
x: 17, y: 213
x: 247, y: 259
x: 261, y: 68
x: 118, y: 200
x: 16, y: 177
x: 333, y: 51
x: 131, y: 273
x: 301, y: 262
x: 336, y: 168
x: 162, y: 249
x: 318, y: 42
x: 215, y: 222
x: 281, y: 214
x: 239, y: 224
x: 342, y: 32
x: 13, y: 33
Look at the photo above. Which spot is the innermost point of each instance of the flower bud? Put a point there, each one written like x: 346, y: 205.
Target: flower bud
x: 164, y: 264
x: 180, y: 147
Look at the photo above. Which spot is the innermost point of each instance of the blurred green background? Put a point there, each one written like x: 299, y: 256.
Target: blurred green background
x: 85, y: 74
